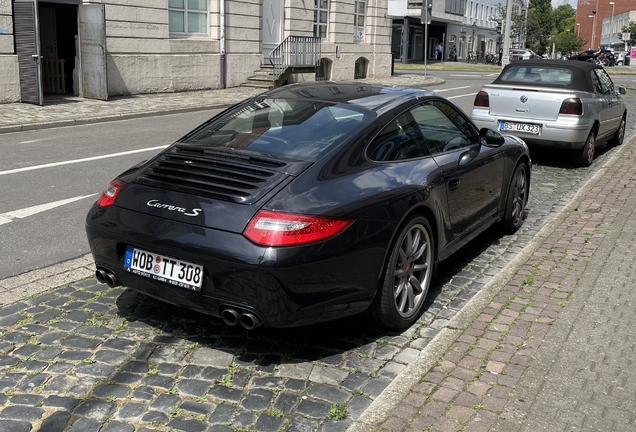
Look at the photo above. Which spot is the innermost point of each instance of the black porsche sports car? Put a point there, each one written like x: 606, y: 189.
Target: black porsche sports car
x: 309, y: 203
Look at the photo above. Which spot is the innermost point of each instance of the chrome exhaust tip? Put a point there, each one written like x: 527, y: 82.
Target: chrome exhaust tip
x: 111, y: 280
x: 100, y: 275
x: 249, y: 321
x: 230, y: 316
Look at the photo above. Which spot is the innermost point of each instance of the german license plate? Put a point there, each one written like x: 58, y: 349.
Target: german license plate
x: 162, y: 268
x: 520, y: 127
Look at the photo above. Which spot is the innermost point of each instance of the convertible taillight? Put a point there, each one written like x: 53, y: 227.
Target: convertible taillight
x: 571, y: 106
x: 268, y: 228
x: 482, y: 99
x: 107, y: 198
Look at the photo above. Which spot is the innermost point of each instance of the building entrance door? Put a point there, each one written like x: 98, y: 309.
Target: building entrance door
x: 272, y: 32
x: 27, y: 46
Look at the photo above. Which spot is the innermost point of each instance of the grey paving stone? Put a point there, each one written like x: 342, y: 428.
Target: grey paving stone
x: 300, y: 424
x: 74, y: 356
x: 110, y: 357
x: 86, y: 425
x: 241, y: 378
x: 47, y: 353
x: 329, y: 393
x: 158, y: 381
x: 116, y: 426
x: 3, y: 398
x: 355, y: 381
x: 26, y: 351
x: 67, y: 403
x: 210, y: 357
x: 94, y: 409
x: 357, y: 406
x: 105, y: 391
x: 268, y: 423
x: 220, y: 428
x: 225, y: 393
x: 95, y: 370
x: 268, y: 382
x: 165, y: 403
x: 14, y: 426
x: 33, y: 382
x: 222, y: 414
x: 56, y: 422
x: 257, y: 399
x: 197, y: 408
x: 143, y: 394
x: 315, y: 409
x: 392, y: 370
x: 126, y: 378
x: 335, y: 426
x: 119, y: 344
x: 193, y: 388
x: 75, y: 315
x: 130, y: 412
x: 187, y: 425
x: 244, y: 419
x: 375, y: 386
x: 170, y: 369
x: 52, y: 338
x: 154, y: 417
x: 20, y: 412
x: 138, y: 367
x: 26, y: 399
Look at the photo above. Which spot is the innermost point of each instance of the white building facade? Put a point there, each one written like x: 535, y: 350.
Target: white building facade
x: 122, y: 47
x: 469, y: 25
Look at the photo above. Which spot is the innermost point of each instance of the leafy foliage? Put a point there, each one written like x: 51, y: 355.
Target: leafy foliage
x: 631, y: 28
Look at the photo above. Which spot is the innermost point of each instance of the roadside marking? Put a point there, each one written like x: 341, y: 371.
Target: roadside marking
x: 32, y: 141
x: 30, y: 211
x: 454, y: 88
x: 74, y: 161
x: 458, y: 96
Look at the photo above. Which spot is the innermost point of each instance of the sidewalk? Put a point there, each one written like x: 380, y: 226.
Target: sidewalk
x: 68, y: 110
x: 548, y: 346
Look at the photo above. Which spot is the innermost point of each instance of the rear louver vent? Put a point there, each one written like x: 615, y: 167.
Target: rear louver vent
x: 220, y: 174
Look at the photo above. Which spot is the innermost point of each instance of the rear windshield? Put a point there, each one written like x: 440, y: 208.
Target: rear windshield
x: 537, y: 74
x: 296, y: 129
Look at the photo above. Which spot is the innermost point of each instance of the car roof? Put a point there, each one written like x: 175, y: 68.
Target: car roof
x: 581, y: 76
x: 375, y: 97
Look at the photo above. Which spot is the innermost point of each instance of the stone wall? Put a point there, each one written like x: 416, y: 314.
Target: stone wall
x: 9, y: 76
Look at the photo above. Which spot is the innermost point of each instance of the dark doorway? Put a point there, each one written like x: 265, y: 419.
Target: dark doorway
x: 58, y: 33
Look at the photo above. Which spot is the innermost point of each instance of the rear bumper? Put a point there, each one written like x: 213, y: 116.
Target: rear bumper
x: 569, y: 132
x: 284, y: 287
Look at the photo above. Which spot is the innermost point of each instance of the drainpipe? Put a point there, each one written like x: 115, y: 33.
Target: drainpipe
x: 222, y: 37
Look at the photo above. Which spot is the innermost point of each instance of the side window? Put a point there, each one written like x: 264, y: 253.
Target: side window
x: 399, y: 140
x: 444, y: 129
x: 607, y: 86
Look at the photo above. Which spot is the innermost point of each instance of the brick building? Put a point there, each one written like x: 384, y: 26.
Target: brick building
x: 592, y: 29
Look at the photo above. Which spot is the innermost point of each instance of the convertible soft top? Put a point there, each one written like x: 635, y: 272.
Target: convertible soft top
x: 581, y: 72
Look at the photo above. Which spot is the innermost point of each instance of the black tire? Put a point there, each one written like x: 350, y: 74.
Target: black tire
x: 517, y: 199
x: 407, y: 276
x: 619, y: 135
x: 585, y: 156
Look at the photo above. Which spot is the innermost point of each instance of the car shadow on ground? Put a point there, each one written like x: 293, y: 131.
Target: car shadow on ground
x: 562, y: 158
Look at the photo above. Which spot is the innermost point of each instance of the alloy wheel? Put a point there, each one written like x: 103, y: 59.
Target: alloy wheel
x: 413, y: 271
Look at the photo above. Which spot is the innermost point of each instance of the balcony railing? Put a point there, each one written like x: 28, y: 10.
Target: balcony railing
x: 295, y: 52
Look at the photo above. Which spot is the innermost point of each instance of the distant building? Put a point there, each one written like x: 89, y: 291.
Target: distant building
x: 594, y: 19
x: 128, y: 47
x: 469, y: 25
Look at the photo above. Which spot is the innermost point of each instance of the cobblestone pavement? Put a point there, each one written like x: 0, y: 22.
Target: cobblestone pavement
x: 83, y: 357
x: 553, y: 349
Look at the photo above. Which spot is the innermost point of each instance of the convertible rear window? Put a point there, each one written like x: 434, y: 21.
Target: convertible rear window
x: 296, y: 129
x: 537, y: 74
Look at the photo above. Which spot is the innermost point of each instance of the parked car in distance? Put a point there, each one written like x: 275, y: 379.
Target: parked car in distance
x: 554, y: 103
x: 622, y: 58
x: 309, y: 203
x: 517, y: 54
x: 590, y: 54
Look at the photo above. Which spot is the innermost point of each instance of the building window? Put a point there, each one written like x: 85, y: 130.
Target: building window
x: 358, y: 20
x: 321, y: 18
x: 188, y: 17
x: 360, y: 68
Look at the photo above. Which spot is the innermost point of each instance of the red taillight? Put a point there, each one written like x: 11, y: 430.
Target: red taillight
x: 107, y: 197
x: 268, y: 228
x: 571, y: 106
x: 482, y: 99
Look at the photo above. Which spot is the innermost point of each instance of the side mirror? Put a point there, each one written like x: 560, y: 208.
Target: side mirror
x: 491, y: 138
x: 622, y: 90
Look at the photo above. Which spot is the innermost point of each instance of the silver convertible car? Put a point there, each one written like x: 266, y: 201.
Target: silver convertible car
x: 569, y: 105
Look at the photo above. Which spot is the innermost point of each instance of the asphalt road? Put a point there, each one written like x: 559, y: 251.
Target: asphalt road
x: 49, y: 178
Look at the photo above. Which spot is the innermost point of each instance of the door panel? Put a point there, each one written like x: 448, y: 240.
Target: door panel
x: 92, y: 42
x: 27, y: 46
x: 272, y: 32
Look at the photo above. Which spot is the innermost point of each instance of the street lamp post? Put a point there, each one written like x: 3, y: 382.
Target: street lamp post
x: 472, y: 42
x: 578, y: 29
x: 611, y: 25
x: 593, y: 16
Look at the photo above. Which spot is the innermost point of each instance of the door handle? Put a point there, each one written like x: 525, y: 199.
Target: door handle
x: 453, y: 184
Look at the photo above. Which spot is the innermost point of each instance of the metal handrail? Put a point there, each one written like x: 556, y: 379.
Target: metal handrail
x: 295, y: 51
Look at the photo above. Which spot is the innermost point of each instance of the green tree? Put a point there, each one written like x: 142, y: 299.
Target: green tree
x: 517, y: 22
x: 562, y: 17
x: 540, y: 24
x: 631, y: 28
